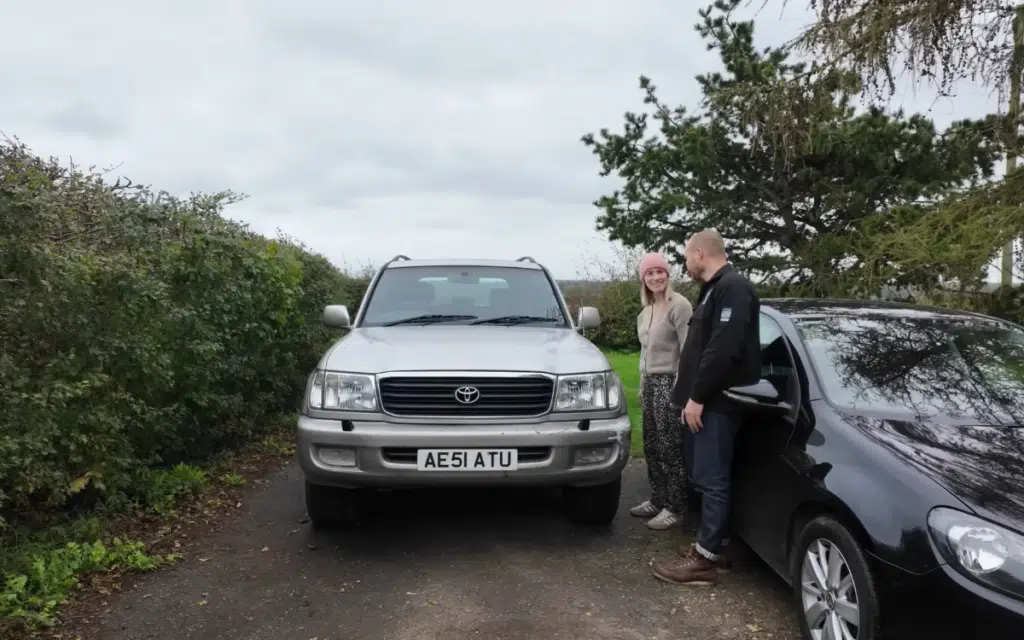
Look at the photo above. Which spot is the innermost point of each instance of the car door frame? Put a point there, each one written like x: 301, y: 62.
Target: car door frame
x: 777, y: 479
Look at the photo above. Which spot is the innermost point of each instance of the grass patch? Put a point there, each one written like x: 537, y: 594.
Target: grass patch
x: 45, y: 563
x: 627, y: 365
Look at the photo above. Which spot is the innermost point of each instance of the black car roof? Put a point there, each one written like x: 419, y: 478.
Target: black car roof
x: 816, y: 307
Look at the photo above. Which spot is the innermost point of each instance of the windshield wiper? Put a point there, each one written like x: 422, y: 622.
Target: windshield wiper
x: 514, y: 320
x: 429, y: 319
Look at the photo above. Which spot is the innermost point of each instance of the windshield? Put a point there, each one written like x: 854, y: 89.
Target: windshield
x: 462, y: 295
x: 969, y: 369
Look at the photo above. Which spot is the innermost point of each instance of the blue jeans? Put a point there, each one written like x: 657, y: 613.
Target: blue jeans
x: 709, y: 463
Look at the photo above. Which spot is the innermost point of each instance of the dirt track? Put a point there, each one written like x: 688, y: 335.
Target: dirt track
x: 444, y: 565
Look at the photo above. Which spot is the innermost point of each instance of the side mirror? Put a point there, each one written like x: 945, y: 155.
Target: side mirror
x: 588, y: 318
x: 761, y: 396
x: 336, y: 316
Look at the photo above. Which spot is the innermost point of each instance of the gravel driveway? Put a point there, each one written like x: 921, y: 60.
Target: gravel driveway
x: 435, y: 565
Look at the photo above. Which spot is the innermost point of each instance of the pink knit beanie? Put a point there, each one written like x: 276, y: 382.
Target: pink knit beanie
x: 652, y: 261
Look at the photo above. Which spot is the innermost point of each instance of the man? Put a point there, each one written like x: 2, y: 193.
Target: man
x: 722, y: 350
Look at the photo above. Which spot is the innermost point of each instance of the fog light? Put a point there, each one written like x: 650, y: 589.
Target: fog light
x: 335, y: 457
x: 592, y: 455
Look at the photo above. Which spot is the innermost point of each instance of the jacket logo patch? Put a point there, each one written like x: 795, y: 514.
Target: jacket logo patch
x: 726, y: 314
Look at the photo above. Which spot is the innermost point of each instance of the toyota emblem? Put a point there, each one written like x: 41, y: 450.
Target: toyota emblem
x: 467, y: 395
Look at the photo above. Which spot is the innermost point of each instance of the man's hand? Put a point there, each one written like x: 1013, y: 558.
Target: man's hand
x: 691, y: 415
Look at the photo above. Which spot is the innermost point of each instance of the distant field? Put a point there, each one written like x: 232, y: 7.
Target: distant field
x: 627, y: 365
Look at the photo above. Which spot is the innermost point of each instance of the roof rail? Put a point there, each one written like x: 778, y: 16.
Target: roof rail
x: 527, y: 259
x: 397, y: 258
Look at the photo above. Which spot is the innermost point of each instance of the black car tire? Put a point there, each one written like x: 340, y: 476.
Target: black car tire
x: 595, y: 505
x: 830, y: 529
x: 329, y: 507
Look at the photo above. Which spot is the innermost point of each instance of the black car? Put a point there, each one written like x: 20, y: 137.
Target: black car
x: 880, y: 471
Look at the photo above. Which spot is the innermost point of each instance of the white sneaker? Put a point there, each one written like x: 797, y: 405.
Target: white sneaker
x: 664, y: 520
x: 645, y: 509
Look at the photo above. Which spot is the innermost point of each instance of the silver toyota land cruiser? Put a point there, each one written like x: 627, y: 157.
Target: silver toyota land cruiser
x: 462, y: 373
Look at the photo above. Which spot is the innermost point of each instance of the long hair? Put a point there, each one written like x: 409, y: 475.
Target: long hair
x: 647, y: 296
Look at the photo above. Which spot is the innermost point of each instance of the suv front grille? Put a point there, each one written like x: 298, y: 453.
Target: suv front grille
x: 497, y: 396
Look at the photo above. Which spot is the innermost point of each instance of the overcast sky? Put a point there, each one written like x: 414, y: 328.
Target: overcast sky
x: 367, y: 129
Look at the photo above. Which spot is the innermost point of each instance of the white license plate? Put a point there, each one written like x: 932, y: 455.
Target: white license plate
x: 467, y: 459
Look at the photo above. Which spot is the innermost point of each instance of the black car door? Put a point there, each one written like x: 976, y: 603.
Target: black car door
x: 763, y: 479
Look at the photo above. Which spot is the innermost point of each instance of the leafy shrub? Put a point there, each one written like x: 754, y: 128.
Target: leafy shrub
x: 619, y: 305
x: 138, y: 331
x: 34, y: 594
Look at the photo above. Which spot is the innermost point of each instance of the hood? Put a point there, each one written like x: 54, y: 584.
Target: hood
x: 981, y: 465
x: 462, y: 347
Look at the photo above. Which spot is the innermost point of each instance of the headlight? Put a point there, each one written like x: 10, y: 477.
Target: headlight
x: 588, y: 392
x: 990, y: 554
x: 335, y: 391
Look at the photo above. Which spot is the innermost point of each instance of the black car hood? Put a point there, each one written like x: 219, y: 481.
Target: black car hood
x: 982, y: 465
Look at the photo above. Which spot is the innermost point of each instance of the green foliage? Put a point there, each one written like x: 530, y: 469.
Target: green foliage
x: 912, y: 244
x: 138, y: 331
x: 351, y: 291
x: 793, y: 218
x: 619, y: 305
x: 233, y: 480
x: 33, y: 594
x: 932, y: 39
x: 41, y: 568
x: 160, y: 490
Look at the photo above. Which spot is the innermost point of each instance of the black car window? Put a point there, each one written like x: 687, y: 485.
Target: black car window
x: 922, y: 363
x: 776, y: 362
x: 463, y: 294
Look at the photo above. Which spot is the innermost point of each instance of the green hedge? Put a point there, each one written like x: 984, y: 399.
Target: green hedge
x: 138, y: 330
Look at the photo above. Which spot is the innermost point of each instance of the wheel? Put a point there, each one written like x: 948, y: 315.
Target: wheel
x: 832, y: 583
x: 329, y: 507
x: 595, y: 505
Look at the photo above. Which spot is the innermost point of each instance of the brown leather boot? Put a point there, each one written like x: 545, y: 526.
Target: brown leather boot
x: 694, y: 569
x: 722, y: 563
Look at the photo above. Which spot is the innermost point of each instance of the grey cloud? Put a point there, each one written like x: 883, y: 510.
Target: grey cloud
x: 457, y: 41
x: 490, y: 179
x: 78, y: 118
x: 336, y: 172
x: 468, y: 57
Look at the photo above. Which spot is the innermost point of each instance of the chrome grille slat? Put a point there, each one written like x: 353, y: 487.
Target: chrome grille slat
x: 434, y: 396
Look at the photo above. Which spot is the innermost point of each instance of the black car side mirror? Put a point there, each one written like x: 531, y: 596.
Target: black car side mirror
x: 761, y: 396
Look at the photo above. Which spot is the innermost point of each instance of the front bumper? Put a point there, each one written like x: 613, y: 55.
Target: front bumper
x: 384, y: 452
x: 944, y: 604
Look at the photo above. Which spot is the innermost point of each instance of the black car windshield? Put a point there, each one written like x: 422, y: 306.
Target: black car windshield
x: 927, y: 364
x: 439, y: 295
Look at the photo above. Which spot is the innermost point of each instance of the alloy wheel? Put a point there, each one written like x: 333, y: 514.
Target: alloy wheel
x: 828, y: 593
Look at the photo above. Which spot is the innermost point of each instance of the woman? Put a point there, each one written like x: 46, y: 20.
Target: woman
x: 661, y: 327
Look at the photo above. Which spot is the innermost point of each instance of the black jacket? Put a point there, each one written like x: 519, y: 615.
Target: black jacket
x: 723, y: 345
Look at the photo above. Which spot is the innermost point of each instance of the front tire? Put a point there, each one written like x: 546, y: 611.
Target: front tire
x: 595, y: 505
x: 832, y: 583
x: 330, y: 507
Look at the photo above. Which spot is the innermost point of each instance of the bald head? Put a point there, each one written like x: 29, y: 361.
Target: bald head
x: 710, y: 242
x: 705, y: 254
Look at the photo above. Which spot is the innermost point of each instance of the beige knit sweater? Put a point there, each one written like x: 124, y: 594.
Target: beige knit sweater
x: 661, y: 343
